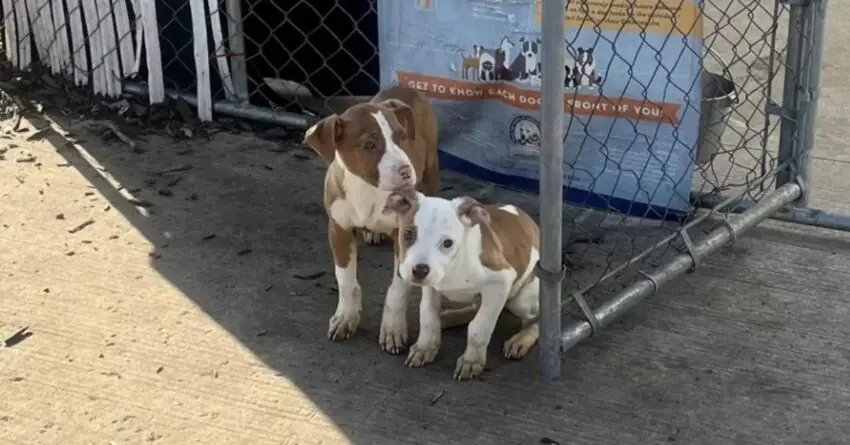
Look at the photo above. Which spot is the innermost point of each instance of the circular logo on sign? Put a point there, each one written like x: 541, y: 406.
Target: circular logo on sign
x: 525, y: 132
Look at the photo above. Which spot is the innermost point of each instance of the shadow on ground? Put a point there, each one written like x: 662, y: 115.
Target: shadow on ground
x: 240, y: 230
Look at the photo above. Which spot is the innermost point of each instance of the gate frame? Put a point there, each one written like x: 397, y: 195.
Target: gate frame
x: 789, y: 201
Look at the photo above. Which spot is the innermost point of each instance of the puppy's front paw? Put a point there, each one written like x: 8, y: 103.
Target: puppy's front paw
x: 393, y: 336
x: 343, y: 324
x: 469, y: 368
x: 372, y: 238
x: 421, y: 354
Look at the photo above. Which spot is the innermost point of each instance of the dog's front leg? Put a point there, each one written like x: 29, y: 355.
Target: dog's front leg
x: 430, y: 330
x: 346, y: 319
x: 393, y: 336
x: 471, y: 364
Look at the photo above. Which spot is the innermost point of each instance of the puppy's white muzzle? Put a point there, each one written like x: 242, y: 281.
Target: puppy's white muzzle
x: 402, y: 176
x: 420, y: 273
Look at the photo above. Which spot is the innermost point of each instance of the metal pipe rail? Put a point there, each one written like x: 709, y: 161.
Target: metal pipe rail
x: 718, y: 238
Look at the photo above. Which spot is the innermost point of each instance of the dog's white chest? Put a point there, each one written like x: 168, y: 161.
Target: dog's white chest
x: 461, y: 284
x: 464, y: 297
x: 362, y: 207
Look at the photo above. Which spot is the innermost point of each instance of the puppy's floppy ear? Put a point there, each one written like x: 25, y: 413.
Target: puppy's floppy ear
x: 471, y: 212
x: 401, y: 201
x: 404, y: 114
x: 324, y: 135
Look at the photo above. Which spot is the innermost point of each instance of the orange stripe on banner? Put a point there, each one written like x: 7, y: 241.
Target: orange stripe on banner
x: 578, y: 104
x: 682, y: 17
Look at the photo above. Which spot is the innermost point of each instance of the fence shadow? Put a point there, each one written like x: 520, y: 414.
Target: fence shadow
x: 239, y: 229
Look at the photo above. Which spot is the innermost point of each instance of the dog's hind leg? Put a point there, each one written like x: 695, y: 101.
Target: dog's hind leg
x: 526, y: 306
x: 520, y: 343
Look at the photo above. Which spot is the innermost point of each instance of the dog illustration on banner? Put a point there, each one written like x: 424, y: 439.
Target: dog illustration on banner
x: 487, y: 65
x: 584, y: 69
x: 471, y: 62
x: 495, y: 65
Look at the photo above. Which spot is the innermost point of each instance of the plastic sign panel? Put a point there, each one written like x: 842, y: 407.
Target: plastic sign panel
x: 631, y: 92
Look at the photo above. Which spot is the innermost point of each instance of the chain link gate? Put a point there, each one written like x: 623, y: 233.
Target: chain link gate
x: 757, y: 157
x: 290, y: 65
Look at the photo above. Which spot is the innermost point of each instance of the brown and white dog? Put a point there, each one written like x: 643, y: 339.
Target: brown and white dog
x: 373, y: 148
x: 478, y: 255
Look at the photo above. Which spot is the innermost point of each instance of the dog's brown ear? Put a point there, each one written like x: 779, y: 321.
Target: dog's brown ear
x: 324, y: 135
x: 404, y: 114
x: 470, y: 211
x: 401, y: 201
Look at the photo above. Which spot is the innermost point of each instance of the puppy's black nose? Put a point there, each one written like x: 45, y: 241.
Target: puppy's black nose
x: 420, y: 271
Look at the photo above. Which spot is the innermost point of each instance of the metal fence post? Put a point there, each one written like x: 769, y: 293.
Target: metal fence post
x: 809, y: 95
x: 550, y: 268
x: 236, y: 44
x: 788, y: 123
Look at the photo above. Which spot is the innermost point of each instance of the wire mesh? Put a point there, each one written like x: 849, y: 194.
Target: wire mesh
x: 316, y: 58
x: 302, y: 57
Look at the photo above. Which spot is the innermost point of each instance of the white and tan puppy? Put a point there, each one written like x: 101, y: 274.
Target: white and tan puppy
x: 479, y: 255
x: 373, y: 148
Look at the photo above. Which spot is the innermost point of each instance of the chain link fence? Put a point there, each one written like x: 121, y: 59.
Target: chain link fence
x: 293, y: 63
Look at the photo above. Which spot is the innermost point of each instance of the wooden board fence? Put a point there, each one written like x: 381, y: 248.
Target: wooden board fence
x: 101, y: 43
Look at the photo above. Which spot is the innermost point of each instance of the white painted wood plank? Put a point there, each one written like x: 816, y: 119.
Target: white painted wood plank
x: 139, y: 38
x: 124, y: 36
x: 220, y: 52
x: 24, y: 33
x: 110, y: 48
x: 202, y: 59
x: 156, y: 86
x: 63, y: 50
x: 78, y: 43
x: 95, y: 46
x: 11, y: 32
x: 46, y: 18
x: 39, y: 32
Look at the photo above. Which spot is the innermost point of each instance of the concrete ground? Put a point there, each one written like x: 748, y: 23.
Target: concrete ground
x: 178, y: 292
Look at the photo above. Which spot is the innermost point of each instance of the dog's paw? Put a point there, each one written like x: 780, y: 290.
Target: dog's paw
x: 372, y: 238
x: 393, y: 336
x: 518, y: 346
x: 421, y: 354
x: 343, y: 325
x: 469, y: 368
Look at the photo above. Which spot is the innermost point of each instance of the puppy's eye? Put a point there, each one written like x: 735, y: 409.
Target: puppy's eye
x: 369, y: 146
x: 447, y: 244
x: 409, y: 236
